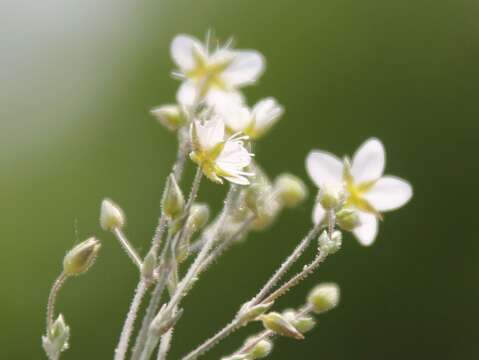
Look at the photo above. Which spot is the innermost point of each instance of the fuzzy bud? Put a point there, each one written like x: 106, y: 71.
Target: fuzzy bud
x: 260, y: 350
x: 173, y: 200
x: 279, y: 325
x: 302, y: 323
x: 79, y: 259
x: 324, y: 297
x: 331, y: 245
x: 331, y: 197
x: 56, y: 340
x: 164, y: 322
x: 291, y: 190
x: 111, y: 216
x: 347, y: 219
x: 149, y: 265
x: 199, y: 216
x: 170, y: 116
x: 249, y: 313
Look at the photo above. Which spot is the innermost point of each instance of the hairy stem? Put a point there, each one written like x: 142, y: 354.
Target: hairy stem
x: 165, y: 345
x: 125, y: 244
x: 286, y: 265
x: 122, y: 347
x: 57, y: 285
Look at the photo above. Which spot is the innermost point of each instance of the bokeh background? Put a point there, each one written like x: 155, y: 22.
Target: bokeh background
x: 77, y: 79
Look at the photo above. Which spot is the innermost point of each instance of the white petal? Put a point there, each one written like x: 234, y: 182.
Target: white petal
x: 367, y: 230
x: 318, y: 213
x: 245, y: 68
x: 187, y: 94
x: 211, y: 133
x: 266, y: 113
x: 240, y: 180
x: 368, y: 161
x: 238, y: 118
x: 182, y: 51
x: 324, y: 168
x: 221, y: 99
x: 389, y: 193
x: 234, y: 157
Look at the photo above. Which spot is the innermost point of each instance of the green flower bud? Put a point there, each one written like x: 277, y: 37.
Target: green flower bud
x: 111, y: 216
x: 331, y: 197
x: 247, y: 313
x: 290, y: 189
x: 164, y: 322
x: 261, y: 350
x: 173, y: 200
x: 149, y: 265
x: 324, y: 297
x: 279, y: 325
x: 330, y: 245
x: 199, y: 216
x: 170, y: 116
x: 302, y: 323
x: 57, y: 338
x: 79, y: 259
x: 347, y: 219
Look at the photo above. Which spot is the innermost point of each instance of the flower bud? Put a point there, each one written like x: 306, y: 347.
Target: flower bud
x: 79, y: 259
x: 173, y: 201
x: 324, y: 297
x: 164, y: 322
x: 111, y: 216
x: 331, y: 197
x: 170, y: 116
x: 56, y: 339
x: 279, y: 325
x: 249, y: 313
x: 199, y: 216
x: 347, y: 219
x: 330, y: 245
x: 302, y: 323
x: 149, y: 265
x: 260, y: 350
x: 291, y: 190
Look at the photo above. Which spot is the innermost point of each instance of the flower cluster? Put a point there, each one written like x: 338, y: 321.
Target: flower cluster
x: 215, y: 128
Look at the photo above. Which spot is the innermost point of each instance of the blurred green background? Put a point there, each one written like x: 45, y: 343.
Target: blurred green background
x: 77, y: 79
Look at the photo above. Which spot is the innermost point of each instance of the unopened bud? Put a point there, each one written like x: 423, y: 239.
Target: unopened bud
x: 249, y: 313
x: 347, y: 219
x: 279, y: 325
x: 79, y: 259
x: 56, y: 339
x: 170, y: 116
x: 173, y: 200
x: 164, y: 322
x: 199, y: 216
x: 260, y: 350
x: 302, y: 323
x: 330, y: 245
x: 111, y: 216
x: 324, y: 297
x: 331, y: 197
x: 149, y: 265
x: 291, y: 190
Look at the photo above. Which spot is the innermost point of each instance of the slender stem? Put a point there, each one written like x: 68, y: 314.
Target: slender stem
x: 159, y: 231
x: 286, y: 265
x: 149, y: 347
x: 194, y: 191
x: 211, y: 342
x: 150, y: 313
x: 130, y: 251
x: 193, y: 270
x: 296, y: 279
x: 165, y: 345
x: 183, y: 148
x: 122, y: 347
x: 57, y: 285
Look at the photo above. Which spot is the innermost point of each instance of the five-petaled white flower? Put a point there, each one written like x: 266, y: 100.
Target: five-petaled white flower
x: 253, y: 122
x: 217, y: 157
x: 367, y: 190
x: 212, y: 76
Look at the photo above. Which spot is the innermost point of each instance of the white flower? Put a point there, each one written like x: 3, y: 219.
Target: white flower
x: 255, y: 122
x: 217, y: 157
x: 367, y: 190
x: 215, y: 75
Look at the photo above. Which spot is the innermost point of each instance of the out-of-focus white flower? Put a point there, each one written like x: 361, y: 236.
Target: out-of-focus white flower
x: 254, y: 122
x: 213, y: 75
x: 367, y: 190
x: 217, y: 157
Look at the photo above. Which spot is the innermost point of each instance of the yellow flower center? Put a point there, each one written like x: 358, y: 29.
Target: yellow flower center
x: 357, y: 191
x: 206, y: 159
x: 207, y: 75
